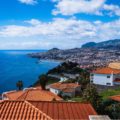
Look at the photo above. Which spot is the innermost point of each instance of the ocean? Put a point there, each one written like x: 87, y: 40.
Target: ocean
x: 16, y: 65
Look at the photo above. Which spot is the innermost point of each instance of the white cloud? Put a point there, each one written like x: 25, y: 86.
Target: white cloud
x: 72, y: 32
x: 70, y: 7
x: 28, y: 2
x: 96, y: 7
x: 113, y: 9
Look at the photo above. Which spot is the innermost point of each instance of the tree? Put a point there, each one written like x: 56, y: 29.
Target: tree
x: 111, y: 108
x: 91, y: 95
x: 43, y: 79
x: 19, y: 85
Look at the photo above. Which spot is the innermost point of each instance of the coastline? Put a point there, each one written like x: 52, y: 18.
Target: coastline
x: 51, y: 60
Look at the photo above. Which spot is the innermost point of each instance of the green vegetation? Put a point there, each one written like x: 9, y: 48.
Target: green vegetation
x: 77, y: 99
x: 110, y: 92
x: 111, y: 108
x: 66, y: 67
x: 91, y: 95
x: 19, y: 85
x: 48, y: 80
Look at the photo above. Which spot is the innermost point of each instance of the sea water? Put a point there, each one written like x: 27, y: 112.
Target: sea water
x: 17, y: 65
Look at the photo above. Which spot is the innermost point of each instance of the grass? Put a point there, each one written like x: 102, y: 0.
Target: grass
x: 77, y: 99
x: 110, y: 92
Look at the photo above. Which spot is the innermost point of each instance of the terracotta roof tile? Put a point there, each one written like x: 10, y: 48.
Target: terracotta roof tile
x: 13, y: 95
x: 41, y: 110
x: 65, y: 110
x: 20, y: 110
x: 32, y: 94
x: 116, y: 98
x: 38, y: 95
x: 63, y: 86
x: 107, y: 70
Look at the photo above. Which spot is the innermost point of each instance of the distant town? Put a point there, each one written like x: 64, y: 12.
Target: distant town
x: 89, y: 55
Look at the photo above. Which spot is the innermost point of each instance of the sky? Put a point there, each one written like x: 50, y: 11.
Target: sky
x: 64, y: 24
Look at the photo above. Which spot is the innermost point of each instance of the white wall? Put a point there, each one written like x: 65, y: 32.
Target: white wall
x: 101, y: 79
x: 55, y: 91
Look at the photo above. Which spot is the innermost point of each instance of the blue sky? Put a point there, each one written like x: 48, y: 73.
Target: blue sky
x: 44, y: 24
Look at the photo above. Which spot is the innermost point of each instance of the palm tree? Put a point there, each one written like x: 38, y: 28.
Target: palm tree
x: 19, y: 85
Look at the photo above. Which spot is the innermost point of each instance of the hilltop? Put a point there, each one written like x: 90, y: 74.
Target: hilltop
x: 110, y: 44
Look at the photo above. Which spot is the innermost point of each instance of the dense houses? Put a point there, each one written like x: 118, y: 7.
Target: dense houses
x: 67, y: 89
x: 85, y: 57
x: 108, y: 76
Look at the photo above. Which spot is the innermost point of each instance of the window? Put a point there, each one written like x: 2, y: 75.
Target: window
x: 92, y: 74
x: 108, y: 76
x: 108, y: 84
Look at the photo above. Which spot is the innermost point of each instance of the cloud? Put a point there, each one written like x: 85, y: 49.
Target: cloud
x: 112, y: 9
x: 95, y: 7
x: 28, y: 2
x: 70, y: 7
x: 72, y: 32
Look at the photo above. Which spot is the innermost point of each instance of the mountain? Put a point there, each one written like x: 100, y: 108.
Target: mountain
x: 89, y: 44
x: 110, y: 44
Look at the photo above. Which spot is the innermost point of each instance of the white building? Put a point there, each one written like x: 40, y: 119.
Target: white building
x: 105, y: 76
x: 67, y: 89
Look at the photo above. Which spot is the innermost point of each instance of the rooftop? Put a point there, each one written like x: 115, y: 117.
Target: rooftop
x: 37, y: 110
x: 32, y: 94
x: 64, y: 86
x: 115, y: 98
x: 107, y: 70
x: 20, y: 110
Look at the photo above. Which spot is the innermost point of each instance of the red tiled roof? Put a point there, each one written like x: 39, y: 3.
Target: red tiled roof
x: 116, y: 98
x: 13, y: 95
x: 67, y: 90
x: 62, y: 86
x: 20, y: 110
x: 65, y: 110
x: 38, y: 95
x: 107, y: 70
x: 32, y: 94
x: 39, y: 110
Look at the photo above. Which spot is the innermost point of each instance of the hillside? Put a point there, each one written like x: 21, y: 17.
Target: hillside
x: 98, y: 54
x: 106, y: 44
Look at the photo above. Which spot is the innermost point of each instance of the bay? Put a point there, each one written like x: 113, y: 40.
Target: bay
x: 16, y: 65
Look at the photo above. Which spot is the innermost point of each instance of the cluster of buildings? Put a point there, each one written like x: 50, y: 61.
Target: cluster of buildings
x: 85, y: 57
x: 38, y: 104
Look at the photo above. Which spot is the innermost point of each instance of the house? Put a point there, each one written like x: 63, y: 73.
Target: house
x: 44, y: 110
x: 105, y: 76
x: 67, y: 89
x: 36, y: 94
x: 63, y: 79
x: 115, y: 98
